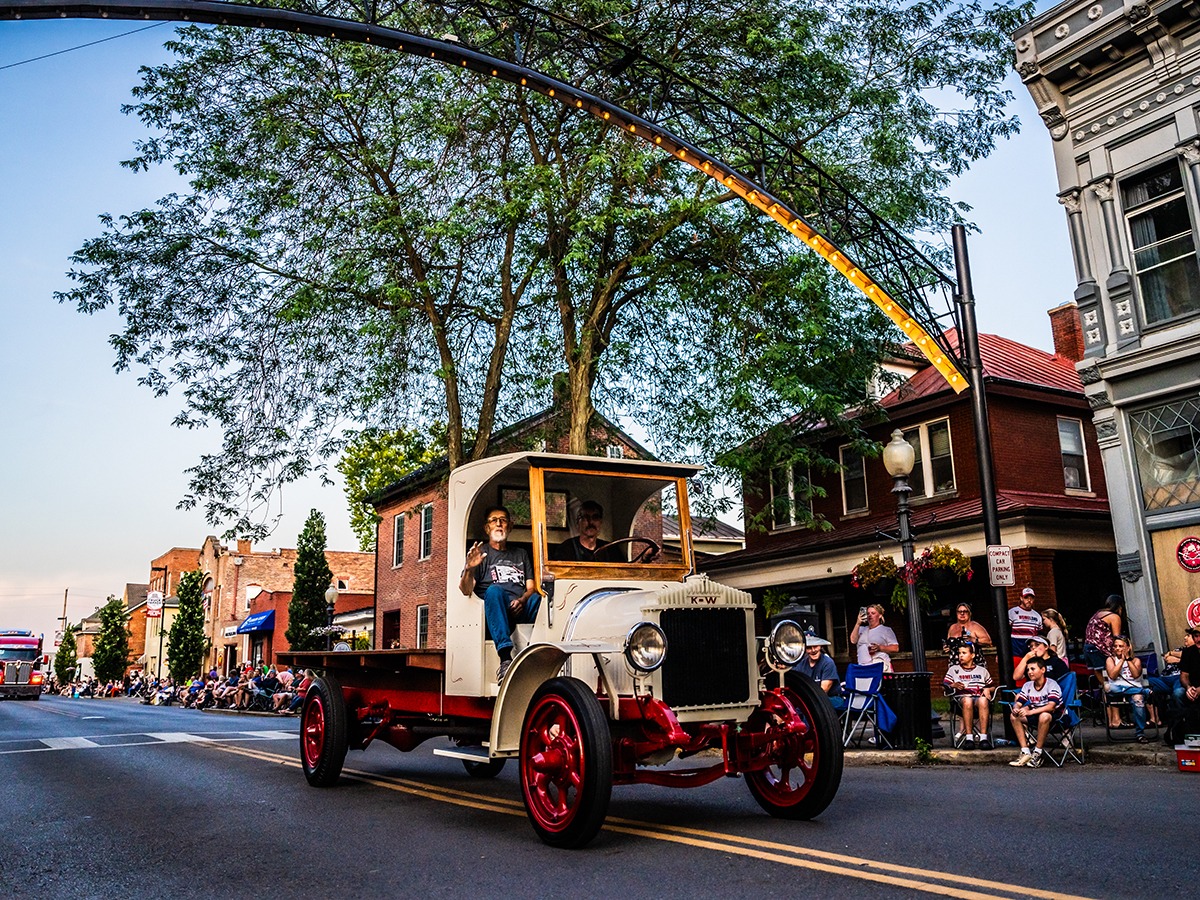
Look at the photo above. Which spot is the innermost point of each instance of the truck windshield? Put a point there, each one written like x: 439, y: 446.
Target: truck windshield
x: 18, y: 654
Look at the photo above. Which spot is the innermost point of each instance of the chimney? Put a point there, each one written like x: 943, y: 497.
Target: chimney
x: 1068, y: 333
x: 243, y: 547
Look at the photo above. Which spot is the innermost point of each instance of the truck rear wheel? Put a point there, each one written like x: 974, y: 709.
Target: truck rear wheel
x: 566, y: 763
x: 804, y: 770
x: 323, y: 732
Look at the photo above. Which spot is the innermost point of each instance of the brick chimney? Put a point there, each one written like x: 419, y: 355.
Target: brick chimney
x: 1068, y: 333
x: 244, y: 545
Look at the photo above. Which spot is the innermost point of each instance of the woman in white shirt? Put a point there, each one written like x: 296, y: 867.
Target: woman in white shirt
x: 1057, y: 632
x: 874, y: 639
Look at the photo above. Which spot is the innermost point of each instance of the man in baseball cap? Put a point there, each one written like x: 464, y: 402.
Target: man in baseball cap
x: 1024, y: 622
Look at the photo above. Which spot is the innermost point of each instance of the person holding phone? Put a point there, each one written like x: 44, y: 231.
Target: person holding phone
x: 873, y: 639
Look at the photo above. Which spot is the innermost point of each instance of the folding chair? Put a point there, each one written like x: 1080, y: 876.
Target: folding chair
x: 865, y: 704
x: 1064, y: 740
x: 994, y: 712
x: 1123, y: 704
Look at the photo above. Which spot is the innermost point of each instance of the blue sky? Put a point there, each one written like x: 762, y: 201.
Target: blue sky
x: 90, y: 467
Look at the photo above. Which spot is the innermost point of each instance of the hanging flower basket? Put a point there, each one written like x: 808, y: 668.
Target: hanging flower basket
x: 942, y: 564
x: 876, y: 573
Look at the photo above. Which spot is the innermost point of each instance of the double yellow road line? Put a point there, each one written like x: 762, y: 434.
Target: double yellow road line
x: 929, y: 881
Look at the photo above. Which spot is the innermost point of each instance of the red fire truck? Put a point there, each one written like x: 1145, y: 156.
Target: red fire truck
x: 21, y: 676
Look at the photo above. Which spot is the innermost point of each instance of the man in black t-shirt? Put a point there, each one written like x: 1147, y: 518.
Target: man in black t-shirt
x: 1189, y: 670
x: 502, y: 577
x: 585, y: 546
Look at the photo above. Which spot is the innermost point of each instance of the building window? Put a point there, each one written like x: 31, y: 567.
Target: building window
x: 933, y: 466
x: 1074, y: 458
x: 426, y: 531
x: 390, y: 631
x: 397, y: 541
x: 422, y: 627
x: 1164, y: 249
x: 791, y: 496
x: 854, y: 480
x: 1166, y: 446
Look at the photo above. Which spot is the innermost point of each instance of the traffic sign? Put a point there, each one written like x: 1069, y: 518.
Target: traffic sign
x: 1000, y: 566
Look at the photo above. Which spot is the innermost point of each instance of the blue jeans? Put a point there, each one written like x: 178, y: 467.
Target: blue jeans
x: 1137, y: 703
x: 1172, y: 686
x: 501, y: 620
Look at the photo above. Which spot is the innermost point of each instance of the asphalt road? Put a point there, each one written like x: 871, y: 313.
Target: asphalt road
x: 111, y: 799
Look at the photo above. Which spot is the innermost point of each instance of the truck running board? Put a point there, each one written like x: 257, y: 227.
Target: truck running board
x: 470, y: 754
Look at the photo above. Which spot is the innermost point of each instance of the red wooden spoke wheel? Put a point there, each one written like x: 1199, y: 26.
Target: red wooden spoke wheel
x: 323, y: 732
x: 566, y: 763
x: 804, y: 767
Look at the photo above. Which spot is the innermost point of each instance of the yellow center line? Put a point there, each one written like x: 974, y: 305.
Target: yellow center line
x: 738, y: 845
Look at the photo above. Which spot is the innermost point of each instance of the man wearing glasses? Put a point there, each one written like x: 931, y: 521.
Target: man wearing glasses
x: 502, y: 577
x: 587, y: 545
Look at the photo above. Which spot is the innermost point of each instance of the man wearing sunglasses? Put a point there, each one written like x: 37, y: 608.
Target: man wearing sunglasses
x: 502, y: 577
x: 585, y: 546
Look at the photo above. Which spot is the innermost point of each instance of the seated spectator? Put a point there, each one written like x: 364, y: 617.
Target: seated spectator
x: 301, y: 691
x: 1123, y: 676
x: 873, y: 640
x: 1189, y: 670
x: 818, y: 666
x: 244, y: 689
x: 1039, y: 646
x: 969, y: 684
x: 1169, y: 683
x: 1035, y: 706
x: 967, y: 628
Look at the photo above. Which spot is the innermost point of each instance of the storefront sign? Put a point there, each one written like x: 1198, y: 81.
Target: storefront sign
x: 154, y: 604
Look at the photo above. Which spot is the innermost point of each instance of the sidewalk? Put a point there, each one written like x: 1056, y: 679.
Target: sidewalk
x: 1097, y: 751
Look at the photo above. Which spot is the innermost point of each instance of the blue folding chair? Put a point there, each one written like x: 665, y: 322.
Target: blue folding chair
x: 1064, y: 740
x: 865, y: 705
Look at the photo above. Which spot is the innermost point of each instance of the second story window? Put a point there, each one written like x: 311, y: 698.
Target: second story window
x: 397, y: 541
x: 426, y: 531
x: 791, y: 496
x: 422, y: 626
x: 1164, y: 248
x: 933, y: 468
x: 1074, y: 460
x: 854, y: 480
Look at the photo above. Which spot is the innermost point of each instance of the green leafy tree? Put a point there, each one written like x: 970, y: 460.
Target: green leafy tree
x: 375, y: 459
x: 375, y: 242
x: 64, y: 659
x: 306, y: 610
x: 110, y: 656
x: 186, y: 641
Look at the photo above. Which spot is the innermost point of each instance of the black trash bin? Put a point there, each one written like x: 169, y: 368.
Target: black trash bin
x: 907, y: 693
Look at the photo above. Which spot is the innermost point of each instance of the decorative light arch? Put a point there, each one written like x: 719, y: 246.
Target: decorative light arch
x: 871, y: 255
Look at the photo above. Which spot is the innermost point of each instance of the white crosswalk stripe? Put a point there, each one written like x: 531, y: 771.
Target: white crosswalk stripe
x: 140, y: 739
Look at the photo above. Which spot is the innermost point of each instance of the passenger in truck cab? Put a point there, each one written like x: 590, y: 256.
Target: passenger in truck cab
x: 585, y: 546
x: 502, y: 577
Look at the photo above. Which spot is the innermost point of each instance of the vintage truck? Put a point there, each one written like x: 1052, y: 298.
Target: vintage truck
x: 638, y: 669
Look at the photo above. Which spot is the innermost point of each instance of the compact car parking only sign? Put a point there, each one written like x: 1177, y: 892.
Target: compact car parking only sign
x: 1000, y: 566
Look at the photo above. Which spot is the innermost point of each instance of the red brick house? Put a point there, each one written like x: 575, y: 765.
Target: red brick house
x: 410, y: 544
x: 1052, y: 499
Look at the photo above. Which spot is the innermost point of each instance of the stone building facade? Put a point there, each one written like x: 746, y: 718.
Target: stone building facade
x: 1117, y: 83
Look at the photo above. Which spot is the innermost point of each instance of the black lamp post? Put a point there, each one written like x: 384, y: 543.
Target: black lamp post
x: 898, y: 459
x: 331, y: 595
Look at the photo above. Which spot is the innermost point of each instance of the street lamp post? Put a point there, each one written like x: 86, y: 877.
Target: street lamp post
x: 331, y: 595
x: 898, y: 459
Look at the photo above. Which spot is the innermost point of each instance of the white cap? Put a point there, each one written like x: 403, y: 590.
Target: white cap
x: 1028, y: 592
x: 811, y: 640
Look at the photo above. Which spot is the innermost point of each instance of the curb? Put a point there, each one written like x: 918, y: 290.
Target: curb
x: 246, y: 712
x: 1098, y: 756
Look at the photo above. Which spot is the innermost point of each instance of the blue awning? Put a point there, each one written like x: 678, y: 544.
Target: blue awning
x: 263, y: 621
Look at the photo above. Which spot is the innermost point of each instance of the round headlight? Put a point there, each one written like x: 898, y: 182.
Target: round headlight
x: 785, y: 646
x: 645, y: 646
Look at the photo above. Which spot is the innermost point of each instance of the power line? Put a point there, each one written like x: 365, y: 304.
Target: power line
x: 80, y: 46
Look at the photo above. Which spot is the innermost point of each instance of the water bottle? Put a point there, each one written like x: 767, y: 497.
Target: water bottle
x: 1002, y: 742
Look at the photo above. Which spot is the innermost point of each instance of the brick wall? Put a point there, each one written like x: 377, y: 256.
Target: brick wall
x: 1067, y: 331
x: 415, y: 581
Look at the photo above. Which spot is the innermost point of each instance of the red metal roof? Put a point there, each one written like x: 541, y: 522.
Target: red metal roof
x: 1003, y: 360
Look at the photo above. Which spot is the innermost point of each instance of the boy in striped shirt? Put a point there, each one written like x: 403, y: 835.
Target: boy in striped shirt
x: 969, y: 683
x: 1035, y: 707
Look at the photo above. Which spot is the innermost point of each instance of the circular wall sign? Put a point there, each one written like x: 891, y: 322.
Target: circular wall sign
x: 1188, y: 553
x: 1193, y: 613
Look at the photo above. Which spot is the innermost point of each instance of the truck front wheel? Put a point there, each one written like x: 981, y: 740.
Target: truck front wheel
x: 804, y: 766
x: 566, y: 763
x: 323, y: 732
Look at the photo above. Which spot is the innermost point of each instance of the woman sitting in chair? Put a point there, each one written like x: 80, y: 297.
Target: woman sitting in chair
x: 969, y: 684
x: 1123, y: 675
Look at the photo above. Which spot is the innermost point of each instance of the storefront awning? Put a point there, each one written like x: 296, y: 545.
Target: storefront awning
x: 263, y: 621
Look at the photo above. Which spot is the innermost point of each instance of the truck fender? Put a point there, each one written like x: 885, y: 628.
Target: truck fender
x: 531, y: 668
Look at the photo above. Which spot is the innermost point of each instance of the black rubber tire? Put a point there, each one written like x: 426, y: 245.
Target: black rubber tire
x: 323, y: 743
x: 489, y: 769
x: 818, y: 756
x: 566, y: 802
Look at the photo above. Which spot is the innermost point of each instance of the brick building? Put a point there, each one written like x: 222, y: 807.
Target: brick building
x: 1051, y: 496
x: 410, y: 546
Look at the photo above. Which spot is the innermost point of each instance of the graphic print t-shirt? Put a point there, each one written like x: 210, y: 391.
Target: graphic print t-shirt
x: 1025, y: 623
x: 510, y: 568
x: 975, y: 678
x: 1050, y: 692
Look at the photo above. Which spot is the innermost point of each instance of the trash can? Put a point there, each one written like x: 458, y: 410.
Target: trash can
x: 907, y: 693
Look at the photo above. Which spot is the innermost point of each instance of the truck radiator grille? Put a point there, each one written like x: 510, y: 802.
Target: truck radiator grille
x: 706, y: 662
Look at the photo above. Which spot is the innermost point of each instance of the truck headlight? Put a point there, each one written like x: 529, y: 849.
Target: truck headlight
x: 785, y: 646
x: 645, y: 646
